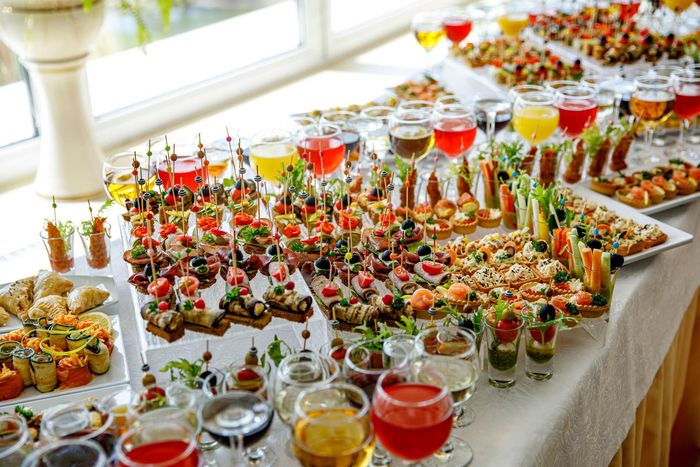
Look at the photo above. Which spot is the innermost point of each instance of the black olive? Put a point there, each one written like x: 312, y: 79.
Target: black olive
x: 375, y: 192
x: 594, y: 244
x: 208, y: 378
x: 561, y: 214
x: 148, y: 271
x: 616, y: 261
x: 340, y: 244
x: 272, y: 250
x: 518, y: 67
x: 408, y: 224
x: 355, y: 258
x: 547, y: 312
x: 239, y: 254
x: 581, y: 231
x: 603, y: 40
x: 344, y: 202
x: 510, y: 249
x: 386, y: 255
x: 141, y: 204
x: 671, y: 36
x: 198, y: 261
x: 424, y: 250
x: 577, y: 62
x: 648, y: 40
x: 238, y: 184
x: 311, y: 201
x: 560, y: 64
x: 503, y: 175
x: 204, y: 191
x: 322, y: 263
x: 286, y: 200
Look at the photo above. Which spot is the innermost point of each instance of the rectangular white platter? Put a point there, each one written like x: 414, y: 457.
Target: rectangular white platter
x: 118, y: 374
x: 39, y: 405
x: 676, y: 237
x: 103, y: 282
x: 664, y: 205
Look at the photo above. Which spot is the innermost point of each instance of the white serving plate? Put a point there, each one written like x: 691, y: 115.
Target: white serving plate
x: 102, y: 282
x: 118, y: 374
x: 676, y: 237
x: 39, y: 405
x: 664, y: 205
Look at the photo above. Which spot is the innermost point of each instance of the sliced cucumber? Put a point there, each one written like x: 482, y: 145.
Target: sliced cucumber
x: 578, y: 262
x: 605, y: 277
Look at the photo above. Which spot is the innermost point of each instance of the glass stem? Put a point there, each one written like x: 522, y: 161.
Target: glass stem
x: 238, y: 450
x: 490, y: 125
x: 681, y: 133
x: 648, y: 135
x: 616, y: 107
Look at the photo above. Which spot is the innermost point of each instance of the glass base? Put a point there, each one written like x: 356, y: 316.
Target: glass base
x: 380, y: 458
x: 502, y: 383
x: 261, y: 457
x: 682, y: 153
x: 455, y: 453
x: 538, y: 376
x: 464, y: 417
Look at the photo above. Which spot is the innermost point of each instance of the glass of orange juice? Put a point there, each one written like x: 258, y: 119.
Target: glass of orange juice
x: 270, y: 152
x: 534, y: 116
x: 511, y: 23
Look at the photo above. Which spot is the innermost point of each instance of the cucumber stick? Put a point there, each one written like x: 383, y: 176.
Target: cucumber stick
x: 605, y: 277
x: 578, y: 262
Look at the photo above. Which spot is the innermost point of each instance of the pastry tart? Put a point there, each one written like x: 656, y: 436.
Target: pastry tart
x: 489, y: 218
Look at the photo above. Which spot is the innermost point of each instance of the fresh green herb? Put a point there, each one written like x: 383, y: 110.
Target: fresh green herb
x: 277, y: 350
x: 676, y: 161
x: 593, y: 140
x: 279, y: 289
x: 398, y: 303
x: 473, y: 296
x: 374, y: 340
x: 86, y: 226
x: 562, y: 276
x: 153, y: 307
x: 233, y: 294
x: 138, y: 250
x: 408, y: 325
x: 184, y: 371
x: 208, y: 238
x: 499, y: 309
x: 599, y: 300
x: 402, y: 168
x: 294, y: 178
x: 572, y: 309
x: 187, y: 305
x: 24, y: 412
x: 478, y: 318
x: 248, y: 233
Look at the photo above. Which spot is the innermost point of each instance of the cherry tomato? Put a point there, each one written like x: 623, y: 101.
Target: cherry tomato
x: 433, y: 268
x: 159, y: 287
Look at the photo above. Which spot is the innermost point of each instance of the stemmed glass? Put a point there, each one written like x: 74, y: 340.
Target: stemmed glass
x: 332, y: 426
x: 428, y: 31
x: 652, y: 103
x: 663, y: 134
x: 411, y: 134
x: 457, y: 25
x: 577, y: 107
x: 270, y: 152
x: 239, y: 420
x: 687, y: 105
x: 452, y: 352
x: 492, y: 114
x: 419, y: 104
x: 412, y: 412
x: 74, y: 421
x: 516, y: 91
x: 118, y: 177
x: 455, y: 129
x: 296, y: 373
x: 322, y: 145
x: 14, y: 442
x: 158, y: 443
x: 367, y: 127
x: 73, y: 452
x: 378, y: 140
x: 605, y: 97
x: 534, y: 116
x: 348, y: 132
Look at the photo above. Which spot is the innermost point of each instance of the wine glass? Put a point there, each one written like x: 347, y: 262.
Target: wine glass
x: 412, y: 412
x: 348, y: 132
x: 239, y: 420
x: 332, y: 426
x: 119, y: 180
x: 534, y: 116
x: 411, y: 134
x: 453, y: 353
x: 125, y: 405
x: 297, y: 372
x: 577, y: 107
x: 419, y: 104
x: 457, y: 25
x: 492, y: 114
x: 664, y: 136
x: 270, y: 153
x: 15, y: 444
x: 512, y: 21
x: 455, y: 129
x: 367, y: 127
x: 73, y: 452
x: 74, y: 421
x: 158, y: 442
x: 553, y: 86
x: 652, y: 103
x: 398, y: 350
x: 428, y: 31
x: 605, y: 97
x: 322, y: 145
x: 687, y: 105
x: 378, y: 140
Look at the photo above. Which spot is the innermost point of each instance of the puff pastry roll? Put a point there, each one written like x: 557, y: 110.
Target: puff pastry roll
x: 86, y: 297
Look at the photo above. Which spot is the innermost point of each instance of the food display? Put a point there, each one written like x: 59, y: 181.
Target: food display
x: 58, y: 352
x: 598, y: 33
x: 517, y: 62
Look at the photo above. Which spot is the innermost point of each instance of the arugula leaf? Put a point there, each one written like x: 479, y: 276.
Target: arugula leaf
x: 402, y: 168
x: 184, y: 371
x: 24, y: 412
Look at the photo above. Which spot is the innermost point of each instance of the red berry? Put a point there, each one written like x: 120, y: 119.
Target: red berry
x: 243, y: 291
x: 199, y: 304
x: 353, y: 300
x: 149, y: 216
x: 162, y: 306
x: 387, y: 299
x: 289, y: 285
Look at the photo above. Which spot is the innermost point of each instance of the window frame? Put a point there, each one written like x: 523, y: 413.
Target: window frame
x: 319, y: 47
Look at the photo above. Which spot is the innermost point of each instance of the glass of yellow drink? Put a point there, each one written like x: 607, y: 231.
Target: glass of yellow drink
x: 270, y: 152
x: 534, y: 116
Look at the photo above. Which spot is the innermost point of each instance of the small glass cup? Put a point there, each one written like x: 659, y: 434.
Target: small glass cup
x: 158, y: 443
x: 60, y: 250
x: 97, y: 248
x: 14, y: 440
x: 118, y: 177
x: 540, y: 346
x: 503, y: 346
x: 244, y: 378
x: 125, y: 406
x: 398, y: 350
x: 72, y: 452
x: 74, y: 421
x: 378, y: 140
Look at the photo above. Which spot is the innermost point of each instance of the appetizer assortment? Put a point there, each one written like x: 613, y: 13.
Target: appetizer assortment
x: 644, y: 188
x: 602, y: 35
x: 517, y: 62
x: 58, y: 352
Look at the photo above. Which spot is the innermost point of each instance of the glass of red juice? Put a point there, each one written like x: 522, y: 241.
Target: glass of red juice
x: 185, y: 168
x: 455, y: 129
x: 158, y: 443
x: 687, y: 105
x: 322, y: 145
x: 412, y: 412
x: 457, y: 25
x: 578, y: 107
